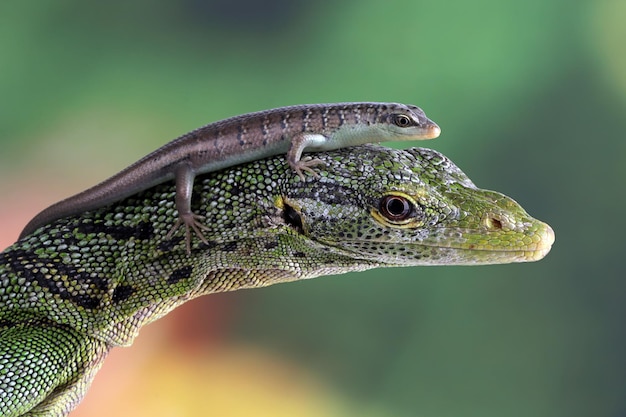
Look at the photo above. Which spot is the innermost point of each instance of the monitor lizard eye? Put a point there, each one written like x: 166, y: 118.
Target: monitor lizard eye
x: 395, y: 208
x: 402, y: 120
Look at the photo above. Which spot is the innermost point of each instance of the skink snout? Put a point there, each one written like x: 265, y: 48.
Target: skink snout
x: 431, y: 130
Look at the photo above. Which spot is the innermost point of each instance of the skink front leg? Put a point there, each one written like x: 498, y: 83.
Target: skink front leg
x: 299, y: 143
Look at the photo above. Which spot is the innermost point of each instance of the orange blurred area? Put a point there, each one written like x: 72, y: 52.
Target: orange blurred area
x: 162, y: 375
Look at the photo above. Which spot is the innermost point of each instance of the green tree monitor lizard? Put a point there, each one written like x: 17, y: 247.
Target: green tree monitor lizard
x: 83, y: 284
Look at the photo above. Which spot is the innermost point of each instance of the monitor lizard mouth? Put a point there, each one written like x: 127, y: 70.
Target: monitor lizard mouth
x: 533, y: 245
x: 534, y: 242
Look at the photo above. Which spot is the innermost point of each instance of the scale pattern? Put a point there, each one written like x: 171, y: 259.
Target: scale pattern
x: 81, y: 285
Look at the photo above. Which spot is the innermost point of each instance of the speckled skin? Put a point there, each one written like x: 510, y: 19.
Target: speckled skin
x: 81, y: 285
x: 248, y: 137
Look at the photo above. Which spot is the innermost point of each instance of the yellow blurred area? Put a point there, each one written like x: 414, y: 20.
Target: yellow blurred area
x: 607, y: 35
x: 165, y: 379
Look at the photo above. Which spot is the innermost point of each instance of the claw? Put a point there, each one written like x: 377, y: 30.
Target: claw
x: 191, y: 221
x: 307, y: 166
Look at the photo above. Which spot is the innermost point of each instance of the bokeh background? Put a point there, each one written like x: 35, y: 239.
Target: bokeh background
x: 531, y: 97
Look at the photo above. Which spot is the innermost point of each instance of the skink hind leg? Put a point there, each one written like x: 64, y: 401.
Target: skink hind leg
x: 185, y: 176
x: 192, y: 222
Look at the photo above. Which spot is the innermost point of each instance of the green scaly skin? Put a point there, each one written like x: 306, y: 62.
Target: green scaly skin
x: 82, y: 285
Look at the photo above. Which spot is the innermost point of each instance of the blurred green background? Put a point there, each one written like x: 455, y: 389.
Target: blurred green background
x: 531, y: 97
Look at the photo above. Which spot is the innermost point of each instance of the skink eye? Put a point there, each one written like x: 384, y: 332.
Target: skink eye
x: 395, y: 208
x: 402, y: 120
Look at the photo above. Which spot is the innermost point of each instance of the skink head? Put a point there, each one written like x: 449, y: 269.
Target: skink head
x: 395, y: 121
x: 412, y: 120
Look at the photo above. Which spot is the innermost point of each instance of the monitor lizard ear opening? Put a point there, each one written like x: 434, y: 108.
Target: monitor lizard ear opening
x: 292, y: 217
